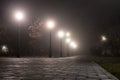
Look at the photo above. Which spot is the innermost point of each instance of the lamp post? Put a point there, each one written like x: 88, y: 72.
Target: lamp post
x: 50, y: 25
x: 61, y: 35
x: 73, y: 45
x: 68, y: 41
x: 5, y: 49
x: 68, y: 34
x: 103, y: 38
x: 19, y: 16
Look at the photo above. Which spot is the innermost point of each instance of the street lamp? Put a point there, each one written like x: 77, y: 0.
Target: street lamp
x: 19, y: 16
x: 68, y: 42
x: 4, y: 49
x: 73, y: 45
x: 61, y: 36
x: 68, y: 34
x: 104, y: 38
x: 50, y: 25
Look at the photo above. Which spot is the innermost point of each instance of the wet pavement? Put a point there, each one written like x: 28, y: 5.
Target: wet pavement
x: 72, y: 68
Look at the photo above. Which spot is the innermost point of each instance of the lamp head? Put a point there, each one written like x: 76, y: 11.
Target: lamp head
x: 60, y: 34
x: 68, y: 40
x: 68, y: 34
x: 50, y: 24
x: 19, y: 15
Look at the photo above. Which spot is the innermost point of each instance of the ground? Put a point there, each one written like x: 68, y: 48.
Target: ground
x: 111, y: 64
x: 67, y: 68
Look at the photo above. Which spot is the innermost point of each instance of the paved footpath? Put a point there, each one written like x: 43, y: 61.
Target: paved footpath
x: 72, y: 68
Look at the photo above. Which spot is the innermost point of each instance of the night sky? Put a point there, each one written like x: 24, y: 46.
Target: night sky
x: 87, y: 20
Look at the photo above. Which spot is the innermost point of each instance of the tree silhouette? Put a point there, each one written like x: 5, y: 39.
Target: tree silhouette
x: 36, y: 32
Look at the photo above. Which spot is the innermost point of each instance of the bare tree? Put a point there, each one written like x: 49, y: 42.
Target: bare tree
x: 36, y: 32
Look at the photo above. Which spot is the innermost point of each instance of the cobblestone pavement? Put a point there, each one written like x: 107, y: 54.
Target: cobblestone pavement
x: 51, y: 69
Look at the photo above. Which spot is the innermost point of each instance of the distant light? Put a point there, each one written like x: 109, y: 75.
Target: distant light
x: 68, y: 34
x: 50, y: 24
x: 61, y: 34
x: 4, y: 48
x: 19, y: 15
x: 73, y: 45
x: 68, y: 40
x: 104, y: 38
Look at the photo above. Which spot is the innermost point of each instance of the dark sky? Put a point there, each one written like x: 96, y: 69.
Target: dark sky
x: 86, y: 19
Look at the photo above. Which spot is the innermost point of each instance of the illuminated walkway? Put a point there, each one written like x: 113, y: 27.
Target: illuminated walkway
x: 72, y: 68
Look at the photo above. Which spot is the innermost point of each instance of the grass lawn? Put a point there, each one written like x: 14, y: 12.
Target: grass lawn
x: 111, y: 64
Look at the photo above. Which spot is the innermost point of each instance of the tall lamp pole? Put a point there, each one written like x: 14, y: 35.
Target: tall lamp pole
x: 103, y: 39
x: 73, y: 45
x: 50, y: 48
x: 19, y: 16
x: 61, y: 36
x: 50, y: 25
x: 68, y: 41
x: 61, y: 48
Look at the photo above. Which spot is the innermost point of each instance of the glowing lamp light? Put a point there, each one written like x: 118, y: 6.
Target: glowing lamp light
x: 68, y: 34
x: 4, y: 48
x: 73, y: 45
x: 60, y: 34
x: 68, y: 40
x: 19, y: 15
x: 50, y: 24
x: 104, y: 38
